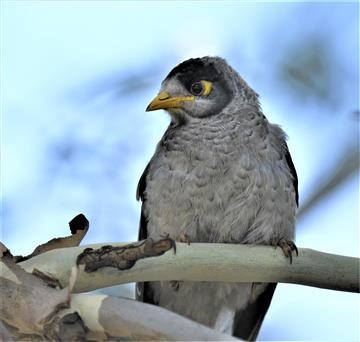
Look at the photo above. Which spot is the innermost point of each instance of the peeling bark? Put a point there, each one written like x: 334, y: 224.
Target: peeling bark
x: 79, y: 226
x: 123, y: 257
x: 35, y: 309
x: 33, y: 305
x: 70, y: 327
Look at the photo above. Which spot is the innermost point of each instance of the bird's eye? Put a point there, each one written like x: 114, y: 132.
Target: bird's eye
x: 196, y: 88
x: 202, y: 88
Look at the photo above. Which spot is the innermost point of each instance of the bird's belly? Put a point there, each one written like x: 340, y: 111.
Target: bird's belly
x: 216, y: 200
x: 204, y: 301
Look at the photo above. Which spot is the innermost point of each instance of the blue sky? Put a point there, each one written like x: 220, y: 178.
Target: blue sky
x: 75, y: 135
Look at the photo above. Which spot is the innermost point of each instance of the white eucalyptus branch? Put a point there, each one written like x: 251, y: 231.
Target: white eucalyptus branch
x: 210, y: 262
x: 35, y: 308
x: 131, y: 320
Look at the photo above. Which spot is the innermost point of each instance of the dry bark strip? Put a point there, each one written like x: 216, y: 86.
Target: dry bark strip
x: 36, y: 307
x: 79, y: 226
x: 123, y: 257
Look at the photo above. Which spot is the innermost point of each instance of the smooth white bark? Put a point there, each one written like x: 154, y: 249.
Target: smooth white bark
x: 211, y: 262
x: 132, y: 320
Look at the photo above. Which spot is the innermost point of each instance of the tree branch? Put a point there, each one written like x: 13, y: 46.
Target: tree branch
x: 35, y: 308
x: 129, y: 319
x: 210, y: 262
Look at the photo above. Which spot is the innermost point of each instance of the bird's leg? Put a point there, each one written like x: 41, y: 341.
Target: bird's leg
x: 287, y: 246
x: 256, y: 289
x: 184, y: 238
x: 175, y: 284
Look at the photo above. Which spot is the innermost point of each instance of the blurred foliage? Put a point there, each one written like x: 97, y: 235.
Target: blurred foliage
x: 346, y: 165
x: 309, y: 69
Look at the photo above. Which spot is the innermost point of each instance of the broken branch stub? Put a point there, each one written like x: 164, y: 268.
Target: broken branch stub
x: 123, y: 257
x: 79, y: 226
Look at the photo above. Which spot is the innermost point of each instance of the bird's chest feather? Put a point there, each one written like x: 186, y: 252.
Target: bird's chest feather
x: 205, y: 188
x: 187, y: 194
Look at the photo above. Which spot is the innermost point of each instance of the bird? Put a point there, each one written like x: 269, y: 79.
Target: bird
x: 221, y: 173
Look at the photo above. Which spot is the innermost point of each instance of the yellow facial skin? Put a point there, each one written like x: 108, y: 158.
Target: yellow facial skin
x: 164, y: 100
x: 207, y: 87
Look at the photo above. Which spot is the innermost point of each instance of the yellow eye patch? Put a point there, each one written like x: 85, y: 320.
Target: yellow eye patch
x: 207, y: 87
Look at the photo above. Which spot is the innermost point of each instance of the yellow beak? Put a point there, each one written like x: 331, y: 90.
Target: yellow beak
x: 164, y: 100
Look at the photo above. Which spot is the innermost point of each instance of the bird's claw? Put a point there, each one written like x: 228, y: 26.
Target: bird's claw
x: 288, y: 247
x: 175, y: 285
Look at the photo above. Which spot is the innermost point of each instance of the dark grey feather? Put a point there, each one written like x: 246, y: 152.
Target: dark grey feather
x: 293, y: 173
x: 143, y: 290
x: 247, y: 322
x: 140, y: 191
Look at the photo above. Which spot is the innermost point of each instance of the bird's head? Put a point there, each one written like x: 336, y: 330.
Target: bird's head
x: 202, y: 87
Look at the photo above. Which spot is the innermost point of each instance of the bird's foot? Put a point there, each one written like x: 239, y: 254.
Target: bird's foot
x: 175, y: 285
x: 288, y: 247
x: 184, y: 238
x: 166, y: 236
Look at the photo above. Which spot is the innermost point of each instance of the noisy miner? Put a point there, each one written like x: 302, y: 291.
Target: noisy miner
x: 220, y: 174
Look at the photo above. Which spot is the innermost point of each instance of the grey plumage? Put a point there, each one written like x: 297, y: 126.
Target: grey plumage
x: 221, y: 173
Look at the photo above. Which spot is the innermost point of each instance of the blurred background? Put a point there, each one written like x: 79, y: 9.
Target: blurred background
x: 76, y: 78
